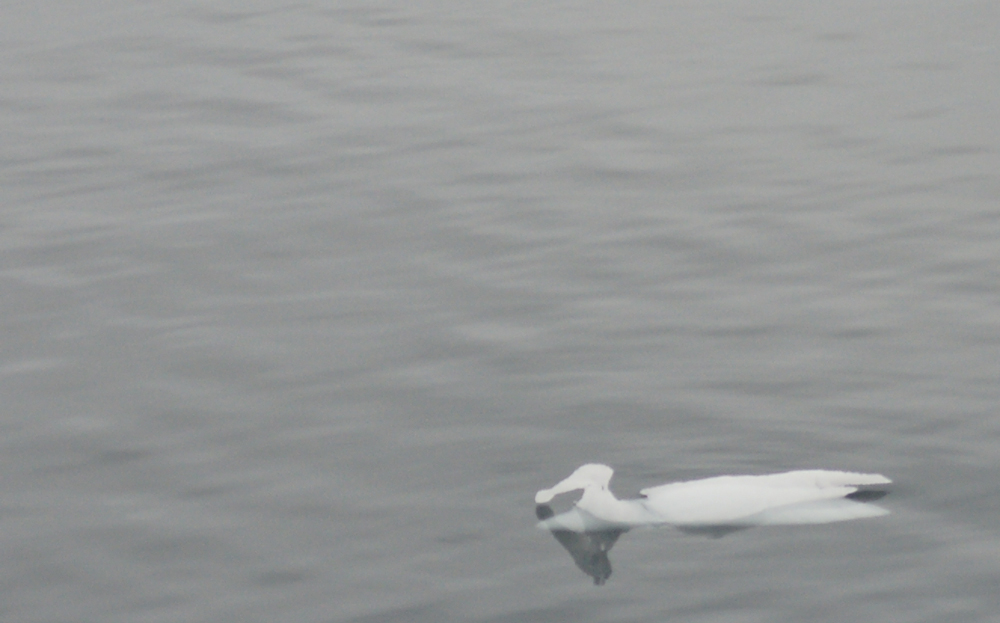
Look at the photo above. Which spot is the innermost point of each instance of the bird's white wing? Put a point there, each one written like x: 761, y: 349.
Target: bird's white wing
x: 734, y: 500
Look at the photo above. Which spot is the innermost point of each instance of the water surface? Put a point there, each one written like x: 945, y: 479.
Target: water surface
x: 303, y: 302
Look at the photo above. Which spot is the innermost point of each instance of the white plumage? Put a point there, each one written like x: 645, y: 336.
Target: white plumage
x: 719, y: 503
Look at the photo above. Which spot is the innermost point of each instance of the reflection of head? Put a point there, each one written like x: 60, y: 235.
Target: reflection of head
x: 588, y: 549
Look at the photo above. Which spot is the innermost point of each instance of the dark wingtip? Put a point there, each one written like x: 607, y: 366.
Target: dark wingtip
x: 544, y: 511
x: 867, y: 495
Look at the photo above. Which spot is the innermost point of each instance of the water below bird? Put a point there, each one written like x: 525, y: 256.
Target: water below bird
x: 303, y: 303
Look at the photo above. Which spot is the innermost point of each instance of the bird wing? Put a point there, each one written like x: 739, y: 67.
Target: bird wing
x: 732, y: 500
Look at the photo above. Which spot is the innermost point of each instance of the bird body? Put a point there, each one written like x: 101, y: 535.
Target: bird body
x: 711, y: 504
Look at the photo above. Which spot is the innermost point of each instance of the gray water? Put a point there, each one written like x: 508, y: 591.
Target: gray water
x: 303, y: 302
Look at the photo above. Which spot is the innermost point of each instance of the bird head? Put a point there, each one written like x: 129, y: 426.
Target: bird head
x: 589, y: 475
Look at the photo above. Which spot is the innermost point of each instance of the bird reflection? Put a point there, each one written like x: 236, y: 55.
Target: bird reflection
x: 588, y: 549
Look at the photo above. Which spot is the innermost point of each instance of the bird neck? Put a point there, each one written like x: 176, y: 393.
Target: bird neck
x: 601, y: 503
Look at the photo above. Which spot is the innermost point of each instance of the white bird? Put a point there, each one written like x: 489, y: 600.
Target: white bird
x: 714, y: 505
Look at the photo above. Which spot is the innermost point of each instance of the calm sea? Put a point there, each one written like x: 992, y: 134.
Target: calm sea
x: 302, y: 302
